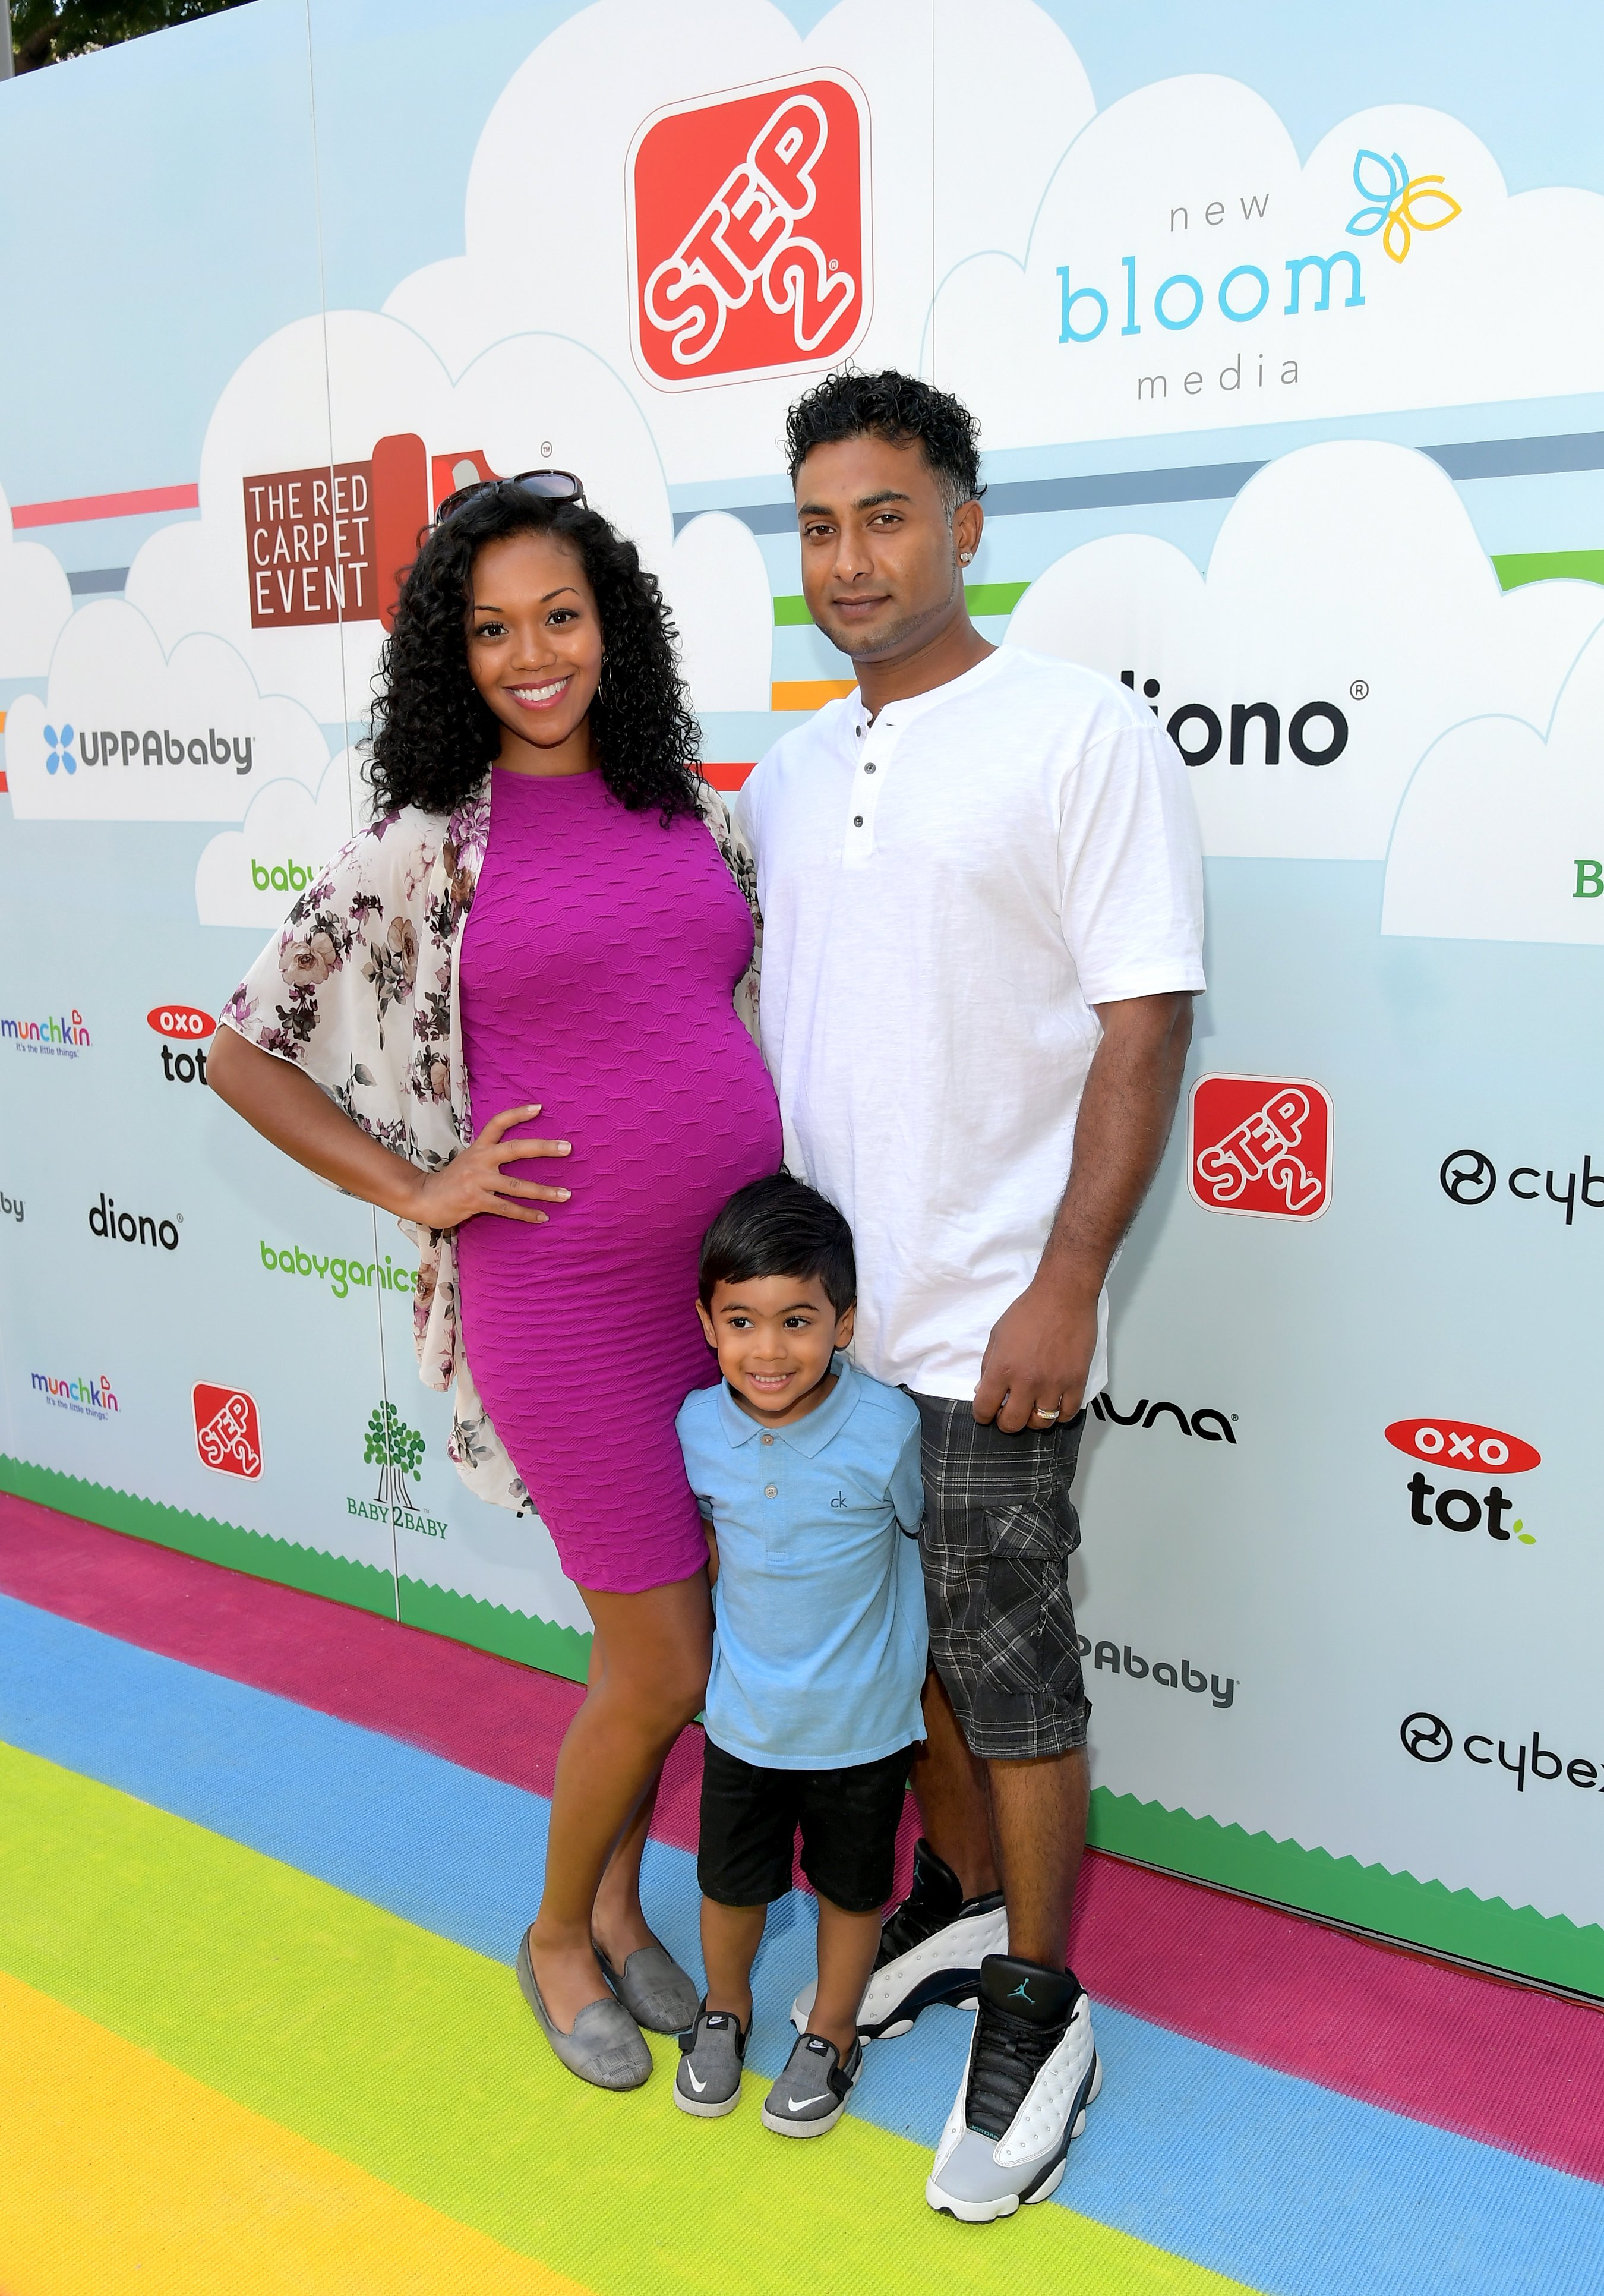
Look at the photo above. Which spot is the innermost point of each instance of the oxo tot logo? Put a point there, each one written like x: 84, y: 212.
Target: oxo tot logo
x: 1459, y: 1451
x: 749, y: 225
x: 1260, y: 1145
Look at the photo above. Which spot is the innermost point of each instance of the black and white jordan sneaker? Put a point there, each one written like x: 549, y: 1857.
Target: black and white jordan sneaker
x: 930, y: 1949
x: 1032, y: 2072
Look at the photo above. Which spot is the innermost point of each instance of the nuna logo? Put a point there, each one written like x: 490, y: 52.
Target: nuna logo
x: 90, y: 1397
x: 1316, y: 733
x: 749, y: 238
x: 1213, y: 1426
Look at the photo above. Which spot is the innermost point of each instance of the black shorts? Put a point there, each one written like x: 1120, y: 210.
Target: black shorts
x: 848, y: 1819
x: 999, y: 1531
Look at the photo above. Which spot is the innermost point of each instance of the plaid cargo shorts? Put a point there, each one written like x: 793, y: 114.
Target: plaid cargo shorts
x: 999, y: 1531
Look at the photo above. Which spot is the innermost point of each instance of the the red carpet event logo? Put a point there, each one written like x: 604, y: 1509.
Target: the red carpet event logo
x: 185, y: 1025
x: 1260, y: 1145
x: 749, y: 231
x: 228, y: 1434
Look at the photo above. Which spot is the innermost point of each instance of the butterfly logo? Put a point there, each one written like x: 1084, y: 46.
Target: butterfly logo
x: 1397, y: 204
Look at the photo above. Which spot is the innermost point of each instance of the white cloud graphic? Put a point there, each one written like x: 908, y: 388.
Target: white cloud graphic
x: 1001, y: 102
x: 35, y: 601
x: 251, y: 875
x: 1501, y: 833
x: 719, y: 589
x: 1344, y: 565
x: 187, y: 736
x: 1191, y: 189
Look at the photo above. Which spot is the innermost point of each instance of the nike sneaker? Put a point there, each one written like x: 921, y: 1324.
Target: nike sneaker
x: 810, y: 2093
x: 930, y: 1949
x: 1032, y: 2072
x: 709, y: 2080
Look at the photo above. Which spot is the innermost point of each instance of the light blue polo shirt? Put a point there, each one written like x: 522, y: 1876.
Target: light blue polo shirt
x: 818, y: 1613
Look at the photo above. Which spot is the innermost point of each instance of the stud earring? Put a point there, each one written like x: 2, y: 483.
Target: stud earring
x: 964, y: 556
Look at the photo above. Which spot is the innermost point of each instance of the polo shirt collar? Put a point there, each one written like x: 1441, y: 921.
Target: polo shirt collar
x: 808, y: 1436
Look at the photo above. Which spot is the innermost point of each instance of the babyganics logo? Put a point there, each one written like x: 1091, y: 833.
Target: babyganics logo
x: 182, y: 1024
x: 1260, y: 1145
x: 396, y: 1450
x: 65, y: 1034
x: 748, y: 222
x: 89, y: 1398
x: 1461, y: 1448
x: 228, y: 1432
x: 343, y: 1276
x: 1397, y: 204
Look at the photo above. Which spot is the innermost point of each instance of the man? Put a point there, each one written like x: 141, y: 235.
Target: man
x: 982, y: 898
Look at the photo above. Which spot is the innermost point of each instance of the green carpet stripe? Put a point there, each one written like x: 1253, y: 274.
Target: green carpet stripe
x: 417, y: 2060
x: 980, y: 598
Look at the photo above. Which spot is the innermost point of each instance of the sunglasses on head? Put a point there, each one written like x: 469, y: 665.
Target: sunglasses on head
x: 546, y: 485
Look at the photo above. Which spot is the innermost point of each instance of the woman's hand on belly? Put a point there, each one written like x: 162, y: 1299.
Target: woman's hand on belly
x: 474, y: 1181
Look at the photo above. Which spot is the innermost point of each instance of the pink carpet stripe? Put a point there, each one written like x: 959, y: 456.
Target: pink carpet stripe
x: 123, y: 505
x: 1498, y: 2062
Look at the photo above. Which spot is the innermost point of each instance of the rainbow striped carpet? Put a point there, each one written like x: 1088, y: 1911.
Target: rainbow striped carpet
x: 264, y: 1864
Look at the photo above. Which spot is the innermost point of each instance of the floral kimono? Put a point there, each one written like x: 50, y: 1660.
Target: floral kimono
x: 359, y: 989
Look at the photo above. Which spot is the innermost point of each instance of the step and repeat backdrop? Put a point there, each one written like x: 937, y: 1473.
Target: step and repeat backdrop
x: 1293, y: 408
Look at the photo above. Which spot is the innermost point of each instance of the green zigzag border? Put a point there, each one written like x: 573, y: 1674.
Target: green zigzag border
x: 1545, y: 1948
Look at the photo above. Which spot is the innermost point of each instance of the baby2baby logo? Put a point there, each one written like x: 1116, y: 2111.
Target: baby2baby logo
x: 396, y: 1450
x: 750, y: 231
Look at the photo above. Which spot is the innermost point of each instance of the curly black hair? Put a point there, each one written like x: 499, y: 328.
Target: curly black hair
x: 434, y: 738
x: 895, y: 407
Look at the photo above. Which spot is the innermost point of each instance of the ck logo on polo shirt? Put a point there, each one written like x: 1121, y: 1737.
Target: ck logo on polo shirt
x: 1260, y: 1145
x: 749, y: 223
x: 839, y: 1499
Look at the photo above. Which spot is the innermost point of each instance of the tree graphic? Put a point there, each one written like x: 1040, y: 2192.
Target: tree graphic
x: 396, y: 1450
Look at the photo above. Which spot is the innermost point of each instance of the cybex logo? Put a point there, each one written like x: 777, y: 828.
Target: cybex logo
x: 1466, y: 1177
x: 132, y: 1227
x: 748, y: 228
x: 1429, y: 1740
x: 186, y: 1024
x: 1464, y: 1444
x: 1317, y: 734
x: 1260, y: 1145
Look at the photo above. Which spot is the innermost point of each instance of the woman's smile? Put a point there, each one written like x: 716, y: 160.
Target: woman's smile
x: 541, y: 697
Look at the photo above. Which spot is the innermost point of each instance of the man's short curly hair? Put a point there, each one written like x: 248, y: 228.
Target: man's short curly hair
x: 898, y: 408
x: 434, y: 738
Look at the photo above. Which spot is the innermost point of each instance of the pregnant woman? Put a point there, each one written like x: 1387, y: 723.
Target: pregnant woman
x: 542, y: 948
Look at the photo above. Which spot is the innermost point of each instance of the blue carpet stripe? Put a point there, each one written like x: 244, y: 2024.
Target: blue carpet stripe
x: 1288, y: 2186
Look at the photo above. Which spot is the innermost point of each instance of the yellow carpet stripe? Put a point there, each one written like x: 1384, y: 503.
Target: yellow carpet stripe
x: 120, y: 2173
x: 416, y: 2058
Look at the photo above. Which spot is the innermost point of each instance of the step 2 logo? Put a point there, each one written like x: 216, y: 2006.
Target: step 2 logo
x: 1461, y: 1445
x: 750, y: 231
x: 183, y: 1025
x: 1260, y: 1145
x: 228, y: 1433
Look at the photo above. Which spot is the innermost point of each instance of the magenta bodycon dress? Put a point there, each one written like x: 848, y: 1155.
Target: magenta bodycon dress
x: 599, y: 962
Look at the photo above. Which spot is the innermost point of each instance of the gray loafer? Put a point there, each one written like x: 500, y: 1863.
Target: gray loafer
x: 654, y: 1988
x: 605, y: 2046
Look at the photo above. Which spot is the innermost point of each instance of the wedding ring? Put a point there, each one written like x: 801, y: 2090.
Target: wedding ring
x: 1040, y: 1414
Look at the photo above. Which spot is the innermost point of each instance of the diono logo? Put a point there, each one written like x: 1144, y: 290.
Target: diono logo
x: 1317, y: 734
x: 1260, y: 1145
x: 60, y: 759
x: 748, y: 229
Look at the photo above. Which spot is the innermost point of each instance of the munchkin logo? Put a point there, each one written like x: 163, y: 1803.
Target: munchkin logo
x: 90, y: 1398
x: 65, y: 1034
x: 726, y: 280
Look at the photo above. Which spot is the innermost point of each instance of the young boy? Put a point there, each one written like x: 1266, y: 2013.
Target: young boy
x: 807, y: 1475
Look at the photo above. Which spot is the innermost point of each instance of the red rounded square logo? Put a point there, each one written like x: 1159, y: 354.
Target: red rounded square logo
x: 1260, y: 1145
x: 749, y: 243
x: 228, y: 1434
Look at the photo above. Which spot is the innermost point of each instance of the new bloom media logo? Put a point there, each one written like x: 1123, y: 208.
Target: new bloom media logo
x: 1260, y: 1145
x: 749, y: 231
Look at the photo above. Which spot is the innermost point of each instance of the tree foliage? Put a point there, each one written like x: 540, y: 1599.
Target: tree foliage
x: 45, y: 31
x: 391, y: 1443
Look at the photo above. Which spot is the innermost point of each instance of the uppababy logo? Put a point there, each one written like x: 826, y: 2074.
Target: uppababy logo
x: 1260, y: 1145
x: 228, y: 1431
x: 1162, y: 1673
x: 90, y: 1398
x: 749, y: 231
x: 115, y: 745
x: 58, y: 751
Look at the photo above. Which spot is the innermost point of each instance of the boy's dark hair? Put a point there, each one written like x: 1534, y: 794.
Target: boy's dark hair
x: 779, y: 1226
x: 898, y: 408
